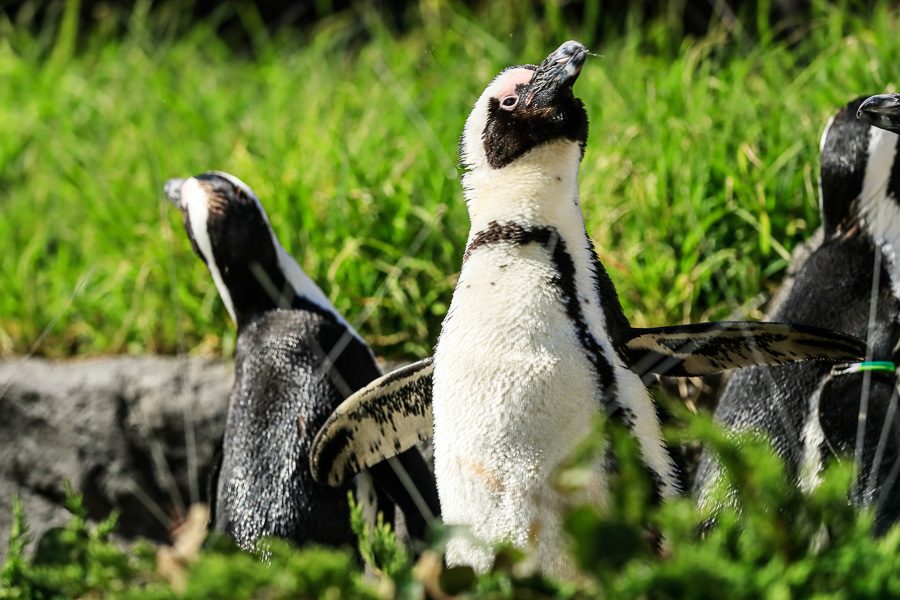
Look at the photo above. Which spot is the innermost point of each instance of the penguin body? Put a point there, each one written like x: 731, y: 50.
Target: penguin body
x: 535, y: 344
x: 524, y: 363
x: 263, y: 487
x: 296, y: 359
x: 847, y: 284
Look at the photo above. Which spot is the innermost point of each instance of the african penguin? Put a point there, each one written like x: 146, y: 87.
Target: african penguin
x: 524, y: 361
x: 849, y: 283
x: 296, y: 359
x: 535, y: 344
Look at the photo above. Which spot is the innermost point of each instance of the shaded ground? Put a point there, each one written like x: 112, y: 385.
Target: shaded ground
x: 132, y: 434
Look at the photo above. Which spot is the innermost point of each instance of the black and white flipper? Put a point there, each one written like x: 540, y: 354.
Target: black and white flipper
x: 706, y: 348
x: 388, y: 416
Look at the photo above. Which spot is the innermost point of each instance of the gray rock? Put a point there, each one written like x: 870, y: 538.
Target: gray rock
x: 135, y: 435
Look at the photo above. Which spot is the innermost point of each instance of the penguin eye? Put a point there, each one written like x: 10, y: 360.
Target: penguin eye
x: 509, y: 102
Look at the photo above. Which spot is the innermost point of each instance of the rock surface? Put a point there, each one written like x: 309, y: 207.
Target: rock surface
x: 135, y: 435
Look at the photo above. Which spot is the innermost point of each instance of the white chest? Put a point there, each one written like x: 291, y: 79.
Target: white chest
x: 514, y: 393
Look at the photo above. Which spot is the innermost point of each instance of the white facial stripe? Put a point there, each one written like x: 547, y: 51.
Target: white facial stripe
x: 194, y: 200
x: 879, y: 209
x: 572, y: 67
x: 825, y: 134
x: 472, y: 148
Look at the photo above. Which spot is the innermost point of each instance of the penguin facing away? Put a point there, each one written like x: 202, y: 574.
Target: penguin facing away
x: 849, y: 283
x: 296, y: 360
x: 535, y: 342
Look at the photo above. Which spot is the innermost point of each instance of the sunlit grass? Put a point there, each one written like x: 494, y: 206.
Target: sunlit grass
x: 699, y: 177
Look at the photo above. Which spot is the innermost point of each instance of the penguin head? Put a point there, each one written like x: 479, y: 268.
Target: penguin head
x: 856, y: 181
x: 882, y: 111
x: 525, y: 107
x: 230, y: 232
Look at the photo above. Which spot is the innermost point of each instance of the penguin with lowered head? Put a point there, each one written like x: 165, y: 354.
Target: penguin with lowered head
x: 296, y: 359
x: 535, y: 343
x: 814, y: 413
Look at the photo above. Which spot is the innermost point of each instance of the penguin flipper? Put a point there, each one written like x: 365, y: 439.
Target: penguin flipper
x: 707, y: 348
x: 386, y: 417
x: 408, y: 482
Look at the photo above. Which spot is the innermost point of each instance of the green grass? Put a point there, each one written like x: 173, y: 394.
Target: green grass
x: 700, y: 173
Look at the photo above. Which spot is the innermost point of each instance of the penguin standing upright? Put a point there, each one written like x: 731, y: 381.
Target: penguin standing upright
x: 535, y: 343
x: 849, y: 283
x: 296, y: 360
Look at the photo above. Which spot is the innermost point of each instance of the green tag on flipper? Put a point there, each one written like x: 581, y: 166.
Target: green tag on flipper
x: 871, y: 365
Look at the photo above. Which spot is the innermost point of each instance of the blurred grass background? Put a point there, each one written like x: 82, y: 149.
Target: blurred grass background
x: 699, y: 176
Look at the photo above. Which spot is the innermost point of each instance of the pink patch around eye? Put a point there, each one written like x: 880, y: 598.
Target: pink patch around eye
x: 505, y: 84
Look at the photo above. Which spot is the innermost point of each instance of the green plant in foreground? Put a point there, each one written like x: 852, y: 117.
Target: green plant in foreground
x: 779, y: 543
x: 80, y: 560
x: 286, y: 573
x: 72, y: 560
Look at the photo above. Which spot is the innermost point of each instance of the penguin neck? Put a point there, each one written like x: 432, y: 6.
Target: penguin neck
x: 879, y: 204
x: 307, y: 289
x: 302, y: 285
x: 250, y: 289
x: 538, y: 189
x: 536, y: 199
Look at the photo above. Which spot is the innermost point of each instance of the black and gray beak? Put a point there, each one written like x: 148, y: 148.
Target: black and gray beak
x: 557, y: 74
x: 172, y: 190
x: 882, y: 111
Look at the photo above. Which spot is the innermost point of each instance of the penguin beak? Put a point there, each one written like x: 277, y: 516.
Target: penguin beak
x: 556, y: 75
x: 172, y: 190
x: 882, y: 111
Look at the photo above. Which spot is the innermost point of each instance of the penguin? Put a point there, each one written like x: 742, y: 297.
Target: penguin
x: 296, y: 359
x: 535, y: 345
x: 814, y: 413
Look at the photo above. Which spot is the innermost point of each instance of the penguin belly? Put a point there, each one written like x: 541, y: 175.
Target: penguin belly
x: 514, y: 394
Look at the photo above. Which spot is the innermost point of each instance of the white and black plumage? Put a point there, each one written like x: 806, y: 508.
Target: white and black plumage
x: 849, y: 283
x: 296, y: 360
x: 535, y: 343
